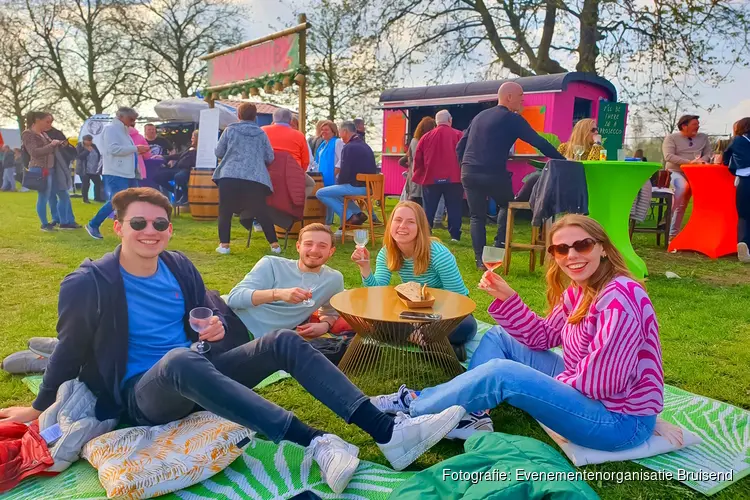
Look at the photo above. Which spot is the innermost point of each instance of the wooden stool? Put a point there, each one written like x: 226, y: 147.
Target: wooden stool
x: 538, y: 238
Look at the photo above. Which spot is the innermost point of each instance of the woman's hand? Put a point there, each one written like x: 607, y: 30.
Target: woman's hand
x: 361, y: 257
x: 496, y: 286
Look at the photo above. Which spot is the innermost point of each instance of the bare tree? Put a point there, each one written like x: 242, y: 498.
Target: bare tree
x: 23, y: 86
x: 82, y: 50
x: 174, y: 34
x: 351, y: 63
x: 615, y: 38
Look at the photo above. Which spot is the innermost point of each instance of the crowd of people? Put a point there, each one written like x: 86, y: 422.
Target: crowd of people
x: 604, y: 392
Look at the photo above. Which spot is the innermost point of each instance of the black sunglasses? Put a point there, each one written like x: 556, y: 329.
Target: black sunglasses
x: 594, y: 130
x: 581, y: 246
x: 139, y: 223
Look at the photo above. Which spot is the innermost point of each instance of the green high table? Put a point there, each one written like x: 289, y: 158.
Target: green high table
x: 612, y: 188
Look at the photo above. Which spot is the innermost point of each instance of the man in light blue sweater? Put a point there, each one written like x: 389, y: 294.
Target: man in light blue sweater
x: 273, y: 295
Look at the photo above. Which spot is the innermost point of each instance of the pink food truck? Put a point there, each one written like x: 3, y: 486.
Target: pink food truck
x: 552, y: 104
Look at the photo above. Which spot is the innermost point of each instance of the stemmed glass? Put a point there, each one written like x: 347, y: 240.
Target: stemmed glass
x: 309, y: 280
x: 698, y: 155
x: 578, y: 151
x: 492, y: 257
x: 200, y: 319
x: 361, y: 236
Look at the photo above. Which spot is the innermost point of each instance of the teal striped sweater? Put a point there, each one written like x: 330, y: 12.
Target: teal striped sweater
x: 442, y: 273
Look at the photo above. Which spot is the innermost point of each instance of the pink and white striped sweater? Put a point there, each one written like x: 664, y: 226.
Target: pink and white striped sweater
x: 613, y: 355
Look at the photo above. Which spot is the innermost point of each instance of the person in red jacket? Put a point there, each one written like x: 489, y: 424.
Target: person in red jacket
x: 284, y: 138
x: 437, y: 170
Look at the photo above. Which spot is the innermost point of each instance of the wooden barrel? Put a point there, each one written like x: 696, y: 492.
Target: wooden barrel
x: 203, y: 195
x: 315, y: 211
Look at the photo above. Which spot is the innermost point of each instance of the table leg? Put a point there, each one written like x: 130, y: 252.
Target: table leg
x: 384, y: 355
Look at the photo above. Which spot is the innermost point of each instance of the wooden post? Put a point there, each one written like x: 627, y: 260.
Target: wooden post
x: 302, y: 19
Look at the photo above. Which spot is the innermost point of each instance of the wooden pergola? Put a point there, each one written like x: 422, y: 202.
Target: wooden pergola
x: 269, y: 64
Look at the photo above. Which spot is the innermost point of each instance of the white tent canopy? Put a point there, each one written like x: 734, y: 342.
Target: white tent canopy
x: 188, y: 109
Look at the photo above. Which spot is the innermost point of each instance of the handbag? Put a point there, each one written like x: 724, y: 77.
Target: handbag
x: 35, y: 178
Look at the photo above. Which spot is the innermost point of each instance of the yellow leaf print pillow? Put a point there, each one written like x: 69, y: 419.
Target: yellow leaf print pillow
x: 145, y: 462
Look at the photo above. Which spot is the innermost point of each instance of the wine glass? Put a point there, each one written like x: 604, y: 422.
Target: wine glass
x: 578, y: 151
x: 492, y: 257
x: 361, y: 236
x: 200, y: 319
x: 698, y: 155
x: 309, y: 280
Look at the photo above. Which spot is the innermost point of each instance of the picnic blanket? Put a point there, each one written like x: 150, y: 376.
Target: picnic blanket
x: 725, y: 430
x: 264, y: 471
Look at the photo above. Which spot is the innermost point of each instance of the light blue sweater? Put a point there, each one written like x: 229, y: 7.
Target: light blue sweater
x: 277, y: 272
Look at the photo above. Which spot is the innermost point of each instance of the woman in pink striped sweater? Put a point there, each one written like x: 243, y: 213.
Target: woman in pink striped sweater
x: 606, y: 389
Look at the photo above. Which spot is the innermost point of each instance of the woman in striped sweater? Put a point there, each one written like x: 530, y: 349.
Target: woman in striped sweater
x: 606, y: 389
x: 409, y: 250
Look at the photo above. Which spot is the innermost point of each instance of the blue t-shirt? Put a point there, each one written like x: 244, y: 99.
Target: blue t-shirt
x: 156, y: 310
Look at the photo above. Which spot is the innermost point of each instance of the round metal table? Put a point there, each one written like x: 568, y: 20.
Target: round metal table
x: 385, y: 351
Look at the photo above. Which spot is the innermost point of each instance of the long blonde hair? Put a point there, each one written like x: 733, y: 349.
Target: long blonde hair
x: 581, y: 136
x: 395, y: 259
x: 610, y: 267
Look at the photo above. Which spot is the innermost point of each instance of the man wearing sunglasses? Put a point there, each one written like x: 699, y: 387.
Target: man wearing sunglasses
x: 683, y: 147
x: 119, y: 163
x: 124, y: 331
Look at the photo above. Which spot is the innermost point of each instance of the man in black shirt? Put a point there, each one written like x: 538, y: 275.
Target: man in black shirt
x: 159, y: 145
x: 483, y: 153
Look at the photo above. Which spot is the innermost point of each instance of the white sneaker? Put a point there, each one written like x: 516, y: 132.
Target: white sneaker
x: 478, y: 421
x: 257, y: 228
x: 414, y: 436
x: 276, y: 250
x: 222, y: 250
x: 743, y: 253
x: 337, y: 460
x: 399, y: 401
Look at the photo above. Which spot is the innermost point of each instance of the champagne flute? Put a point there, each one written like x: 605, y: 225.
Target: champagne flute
x: 361, y: 236
x: 309, y: 280
x: 578, y: 151
x: 492, y: 257
x: 200, y: 319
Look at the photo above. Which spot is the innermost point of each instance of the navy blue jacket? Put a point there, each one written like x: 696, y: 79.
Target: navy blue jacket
x: 486, y: 144
x: 92, y: 327
x: 356, y: 158
x: 739, y: 154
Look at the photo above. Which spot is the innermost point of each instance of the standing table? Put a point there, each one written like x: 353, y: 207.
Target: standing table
x: 381, y: 356
x: 612, y: 188
x: 712, y: 226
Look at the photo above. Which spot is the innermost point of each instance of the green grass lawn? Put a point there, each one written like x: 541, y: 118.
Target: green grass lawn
x: 704, y: 318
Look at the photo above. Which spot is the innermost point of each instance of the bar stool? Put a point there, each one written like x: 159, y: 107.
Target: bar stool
x: 538, y: 238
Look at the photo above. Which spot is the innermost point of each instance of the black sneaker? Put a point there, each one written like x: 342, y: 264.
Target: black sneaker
x: 48, y: 228
x: 70, y: 226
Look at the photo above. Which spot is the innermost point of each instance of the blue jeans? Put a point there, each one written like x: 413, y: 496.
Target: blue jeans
x: 333, y: 198
x: 184, y: 381
x: 42, y: 200
x: 9, y: 179
x: 453, y: 194
x: 503, y: 369
x: 112, y: 185
x: 61, y: 208
x: 681, y: 199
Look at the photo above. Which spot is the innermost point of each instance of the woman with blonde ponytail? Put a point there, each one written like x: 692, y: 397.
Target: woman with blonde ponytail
x: 606, y: 388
